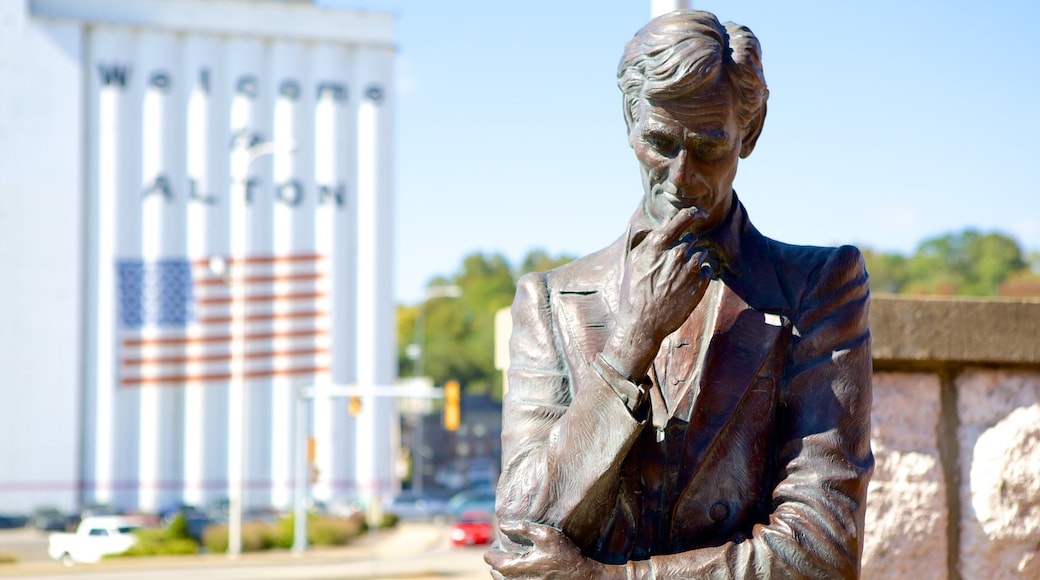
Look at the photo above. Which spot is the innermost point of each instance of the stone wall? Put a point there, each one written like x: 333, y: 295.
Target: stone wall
x: 956, y: 436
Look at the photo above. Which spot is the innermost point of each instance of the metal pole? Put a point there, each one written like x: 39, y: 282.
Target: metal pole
x: 420, y: 337
x: 236, y: 386
x: 418, y: 462
x: 301, y: 477
x: 659, y: 7
x: 241, y: 160
x: 301, y: 480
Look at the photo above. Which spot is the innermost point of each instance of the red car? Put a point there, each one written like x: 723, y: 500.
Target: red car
x: 473, y: 527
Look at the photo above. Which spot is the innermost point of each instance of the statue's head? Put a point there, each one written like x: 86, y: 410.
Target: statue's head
x: 694, y: 102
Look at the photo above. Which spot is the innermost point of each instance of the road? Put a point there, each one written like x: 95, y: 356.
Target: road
x: 413, y: 552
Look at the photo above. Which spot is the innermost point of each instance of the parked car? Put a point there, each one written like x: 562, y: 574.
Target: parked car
x: 50, y: 519
x: 421, y: 508
x: 472, y: 527
x: 8, y: 521
x: 95, y: 538
x: 474, y: 499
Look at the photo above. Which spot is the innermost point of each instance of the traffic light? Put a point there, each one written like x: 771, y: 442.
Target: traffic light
x: 312, y: 458
x: 354, y: 406
x: 452, y: 414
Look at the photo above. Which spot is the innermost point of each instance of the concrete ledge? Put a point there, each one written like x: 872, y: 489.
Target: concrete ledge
x: 955, y: 330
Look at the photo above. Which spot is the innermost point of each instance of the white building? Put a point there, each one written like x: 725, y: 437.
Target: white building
x: 195, y: 219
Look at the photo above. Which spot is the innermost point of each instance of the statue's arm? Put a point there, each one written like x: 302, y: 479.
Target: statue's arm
x: 564, y: 432
x: 824, y: 460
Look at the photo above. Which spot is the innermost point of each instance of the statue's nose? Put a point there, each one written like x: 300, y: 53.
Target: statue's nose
x: 684, y: 173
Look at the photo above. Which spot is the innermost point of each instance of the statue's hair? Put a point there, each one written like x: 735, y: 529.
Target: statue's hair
x: 682, y: 52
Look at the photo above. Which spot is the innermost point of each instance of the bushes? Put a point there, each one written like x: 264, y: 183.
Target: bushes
x: 256, y: 536
x: 174, y: 540
x: 390, y: 520
x: 331, y: 531
x: 162, y: 547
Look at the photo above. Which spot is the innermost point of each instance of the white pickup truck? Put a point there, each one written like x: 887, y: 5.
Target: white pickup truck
x: 94, y: 538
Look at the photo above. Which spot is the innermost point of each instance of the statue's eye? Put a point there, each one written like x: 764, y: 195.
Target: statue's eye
x: 710, y: 150
x: 663, y: 144
x: 711, y: 146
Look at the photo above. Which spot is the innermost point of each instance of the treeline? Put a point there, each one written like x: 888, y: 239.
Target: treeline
x: 459, y: 332
x: 969, y: 263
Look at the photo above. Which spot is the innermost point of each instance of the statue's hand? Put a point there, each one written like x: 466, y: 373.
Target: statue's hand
x: 665, y: 278
x: 549, y: 554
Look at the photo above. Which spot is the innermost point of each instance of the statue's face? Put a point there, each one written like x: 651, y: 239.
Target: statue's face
x: 688, y: 151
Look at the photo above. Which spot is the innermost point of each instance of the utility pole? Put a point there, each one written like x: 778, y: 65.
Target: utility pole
x: 659, y: 7
x: 418, y: 352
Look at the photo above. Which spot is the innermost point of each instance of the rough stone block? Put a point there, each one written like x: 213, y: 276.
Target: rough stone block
x: 906, y: 504
x: 999, y: 439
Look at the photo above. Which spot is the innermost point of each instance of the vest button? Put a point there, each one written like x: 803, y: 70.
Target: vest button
x: 719, y: 511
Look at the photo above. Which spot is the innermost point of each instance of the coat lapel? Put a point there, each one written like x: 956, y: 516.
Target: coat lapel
x: 738, y: 353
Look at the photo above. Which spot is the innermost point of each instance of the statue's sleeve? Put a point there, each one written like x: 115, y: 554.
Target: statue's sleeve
x: 565, y: 431
x: 824, y: 460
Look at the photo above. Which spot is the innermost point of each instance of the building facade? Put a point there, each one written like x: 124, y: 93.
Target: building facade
x: 197, y: 224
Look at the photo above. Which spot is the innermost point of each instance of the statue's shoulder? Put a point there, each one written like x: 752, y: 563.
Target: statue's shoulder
x: 813, y: 272
x: 588, y: 273
x: 804, y: 260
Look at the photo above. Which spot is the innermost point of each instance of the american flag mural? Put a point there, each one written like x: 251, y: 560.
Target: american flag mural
x: 238, y: 204
x: 205, y: 320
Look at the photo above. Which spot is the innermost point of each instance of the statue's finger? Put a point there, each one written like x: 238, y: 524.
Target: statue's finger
x: 517, y: 531
x: 511, y: 527
x: 678, y: 225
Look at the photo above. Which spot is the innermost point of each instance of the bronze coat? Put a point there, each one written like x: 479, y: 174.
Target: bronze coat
x: 751, y: 458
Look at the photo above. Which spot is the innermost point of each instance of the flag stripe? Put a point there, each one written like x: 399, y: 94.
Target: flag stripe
x: 234, y: 261
x: 256, y: 299
x: 131, y: 361
x: 222, y: 377
x: 259, y: 279
x: 275, y: 316
x: 226, y: 338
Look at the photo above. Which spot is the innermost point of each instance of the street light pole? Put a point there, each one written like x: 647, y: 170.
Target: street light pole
x: 418, y: 464
x: 241, y: 160
x: 309, y: 393
x: 659, y: 7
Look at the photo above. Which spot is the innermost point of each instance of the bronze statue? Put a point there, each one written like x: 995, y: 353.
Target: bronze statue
x: 693, y: 400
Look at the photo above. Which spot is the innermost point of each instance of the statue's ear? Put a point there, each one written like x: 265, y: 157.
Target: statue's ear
x: 754, y: 129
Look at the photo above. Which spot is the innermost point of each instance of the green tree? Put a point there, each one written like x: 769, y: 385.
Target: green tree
x: 1025, y: 282
x: 968, y: 263
x: 459, y: 333
x: 540, y: 261
x: 888, y: 272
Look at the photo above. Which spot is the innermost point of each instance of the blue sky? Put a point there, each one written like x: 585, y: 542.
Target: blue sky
x: 889, y: 122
